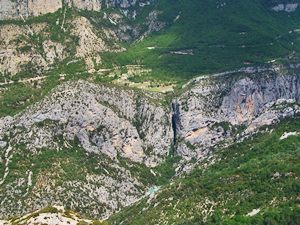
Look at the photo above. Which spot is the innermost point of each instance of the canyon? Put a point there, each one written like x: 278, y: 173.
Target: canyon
x: 117, y: 125
x: 149, y: 112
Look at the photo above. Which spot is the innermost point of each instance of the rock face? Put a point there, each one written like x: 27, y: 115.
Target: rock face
x: 41, y: 7
x: 92, y: 136
x: 91, y: 5
x: 30, y: 49
x: 8, y: 9
x: 23, y: 8
x: 125, y: 4
x: 216, y: 108
x: 122, y: 19
x: 89, y: 43
x: 18, y: 49
x: 104, y: 120
x: 112, y: 124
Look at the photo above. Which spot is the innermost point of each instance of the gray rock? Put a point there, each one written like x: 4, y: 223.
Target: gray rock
x: 252, y: 99
x: 105, y: 120
x: 121, y: 124
x: 3, y: 144
x: 11, y: 9
x: 290, y: 7
x: 112, y: 122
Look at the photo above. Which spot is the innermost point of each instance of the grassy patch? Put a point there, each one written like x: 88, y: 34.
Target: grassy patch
x: 220, y: 38
x: 19, y: 95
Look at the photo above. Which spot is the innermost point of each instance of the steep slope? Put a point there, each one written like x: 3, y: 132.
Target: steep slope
x: 34, y: 46
x: 209, y: 36
x: 38, y: 52
x: 11, y: 9
x: 83, y: 125
x: 252, y: 182
x: 88, y: 147
x: 97, y: 148
x: 216, y: 109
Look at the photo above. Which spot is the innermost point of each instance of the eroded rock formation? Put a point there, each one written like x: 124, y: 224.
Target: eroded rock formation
x: 122, y: 127
x: 217, y: 107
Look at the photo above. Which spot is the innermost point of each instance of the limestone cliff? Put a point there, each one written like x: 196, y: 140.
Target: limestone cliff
x: 227, y: 106
x: 116, y: 129
x: 34, y: 48
x: 105, y: 120
x: 24, y: 8
x: 91, y: 5
x: 93, y: 136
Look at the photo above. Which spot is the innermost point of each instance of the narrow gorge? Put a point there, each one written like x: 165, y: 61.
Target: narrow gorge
x: 146, y: 112
x: 216, y: 110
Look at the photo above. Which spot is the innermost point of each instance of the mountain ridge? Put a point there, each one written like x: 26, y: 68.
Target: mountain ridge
x: 149, y: 112
x: 74, y: 115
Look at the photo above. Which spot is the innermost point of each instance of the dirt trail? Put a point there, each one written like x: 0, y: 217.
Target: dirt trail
x: 25, y: 80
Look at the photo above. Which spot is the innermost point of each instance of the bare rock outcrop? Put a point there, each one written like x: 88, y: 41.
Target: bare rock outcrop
x: 22, y: 49
x: 122, y: 19
x: 105, y: 120
x: 30, y: 48
x: 113, y: 124
x: 222, y: 108
x: 289, y: 7
x: 41, y: 7
x: 121, y: 128
x: 91, y: 5
x: 23, y: 8
x: 89, y: 43
x: 20, y: 9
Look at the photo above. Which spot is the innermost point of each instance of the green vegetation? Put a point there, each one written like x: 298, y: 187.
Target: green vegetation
x: 74, y: 164
x: 20, y: 95
x: 99, y: 223
x: 163, y: 172
x: 200, y: 37
x: 166, y: 170
x: 56, y: 169
x: 220, y: 38
x: 261, y: 173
